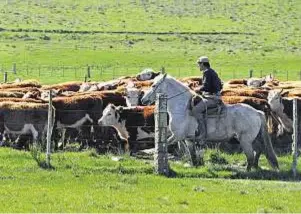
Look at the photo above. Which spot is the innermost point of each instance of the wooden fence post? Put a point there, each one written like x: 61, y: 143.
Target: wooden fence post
x: 5, y: 77
x: 161, y: 156
x: 251, y: 73
x: 89, y: 72
x: 14, y: 68
x: 295, y: 137
x: 49, y: 130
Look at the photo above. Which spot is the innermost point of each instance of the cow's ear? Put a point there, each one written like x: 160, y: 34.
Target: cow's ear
x: 112, y: 106
x: 120, y: 109
x: 284, y: 94
x: 58, y: 91
x: 141, y: 93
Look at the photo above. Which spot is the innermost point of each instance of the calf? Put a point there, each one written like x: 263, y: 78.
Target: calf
x: 132, y: 123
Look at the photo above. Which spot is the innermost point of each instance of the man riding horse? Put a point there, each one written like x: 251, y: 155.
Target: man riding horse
x: 210, y: 91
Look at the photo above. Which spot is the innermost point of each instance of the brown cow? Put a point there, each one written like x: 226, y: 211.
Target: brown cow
x: 81, y: 112
x: 20, y: 118
x: 66, y: 86
x: 23, y: 84
x: 257, y: 93
x: 18, y: 100
x: 11, y: 94
x: 132, y: 123
x: 257, y: 103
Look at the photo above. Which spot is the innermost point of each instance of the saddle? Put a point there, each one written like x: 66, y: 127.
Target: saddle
x: 216, y: 110
x: 211, y: 107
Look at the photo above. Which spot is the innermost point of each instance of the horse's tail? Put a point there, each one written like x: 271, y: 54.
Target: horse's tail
x: 269, y: 151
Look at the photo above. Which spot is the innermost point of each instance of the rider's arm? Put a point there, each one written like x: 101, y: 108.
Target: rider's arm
x: 206, y: 81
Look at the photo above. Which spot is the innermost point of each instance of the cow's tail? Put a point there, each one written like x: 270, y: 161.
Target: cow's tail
x: 269, y: 150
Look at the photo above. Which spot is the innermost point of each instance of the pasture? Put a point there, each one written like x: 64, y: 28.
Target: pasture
x: 87, y: 182
x: 125, y: 36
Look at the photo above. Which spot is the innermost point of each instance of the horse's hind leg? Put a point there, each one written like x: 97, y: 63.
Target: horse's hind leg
x: 195, y: 153
x: 246, y: 144
x: 258, y: 148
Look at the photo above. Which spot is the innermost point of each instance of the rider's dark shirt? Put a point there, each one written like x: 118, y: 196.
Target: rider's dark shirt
x: 211, y: 82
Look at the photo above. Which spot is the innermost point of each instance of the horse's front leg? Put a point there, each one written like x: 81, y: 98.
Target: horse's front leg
x: 172, y: 139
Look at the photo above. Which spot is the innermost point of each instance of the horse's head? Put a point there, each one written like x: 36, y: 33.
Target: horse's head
x: 157, y: 87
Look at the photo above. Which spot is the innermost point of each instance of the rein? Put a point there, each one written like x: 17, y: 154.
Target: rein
x: 178, y: 94
x: 182, y: 92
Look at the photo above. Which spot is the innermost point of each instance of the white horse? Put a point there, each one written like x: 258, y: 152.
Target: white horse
x: 241, y: 121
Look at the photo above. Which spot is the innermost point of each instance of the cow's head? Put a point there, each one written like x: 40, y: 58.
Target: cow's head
x: 110, y: 116
x: 17, y: 80
x: 275, y: 100
x: 54, y: 92
x: 133, y: 95
x: 84, y: 87
x: 269, y: 78
x: 32, y: 94
x: 109, y: 85
x: 147, y: 74
x: 93, y: 87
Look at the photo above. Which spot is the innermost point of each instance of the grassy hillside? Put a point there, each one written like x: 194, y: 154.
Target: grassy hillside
x: 86, y: 182
x: 122, y: 37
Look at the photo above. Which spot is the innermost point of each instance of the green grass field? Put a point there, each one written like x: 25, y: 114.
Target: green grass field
x: 86, y: 182
x: 55, y: 40
x: 238, y: 35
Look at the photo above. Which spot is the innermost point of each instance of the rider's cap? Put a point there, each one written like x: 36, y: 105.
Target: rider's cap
x: 202, y: 59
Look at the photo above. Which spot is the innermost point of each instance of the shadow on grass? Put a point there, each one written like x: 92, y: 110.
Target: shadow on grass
x: 44, y: 165
x: 37, y: 155
x: 228, y: 172
x: 266, y: 175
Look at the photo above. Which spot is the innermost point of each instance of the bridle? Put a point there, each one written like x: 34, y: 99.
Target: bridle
x: 176, y: 95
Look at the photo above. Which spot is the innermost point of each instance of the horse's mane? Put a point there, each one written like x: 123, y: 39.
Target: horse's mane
x: 181, y: 83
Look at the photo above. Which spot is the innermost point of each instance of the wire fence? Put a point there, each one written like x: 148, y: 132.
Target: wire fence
x: 70, y: 130
x: 106, y: 72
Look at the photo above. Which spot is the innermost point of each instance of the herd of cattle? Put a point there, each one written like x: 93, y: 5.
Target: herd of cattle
x: 109, y: 115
